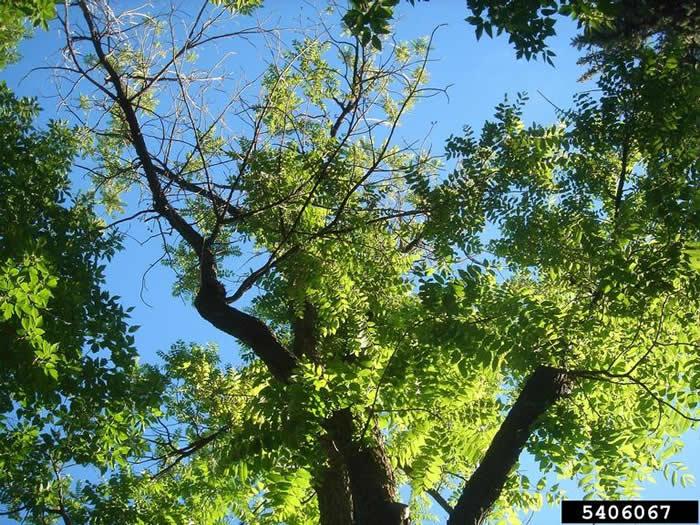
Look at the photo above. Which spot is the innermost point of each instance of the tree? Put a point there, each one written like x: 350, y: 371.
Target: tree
x: 530, y: 24
x: 13, y: 17
x: 386, y: 341
x: 70, y: 390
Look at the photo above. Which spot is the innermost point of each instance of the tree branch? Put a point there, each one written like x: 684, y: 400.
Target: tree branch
x: 433, y: 493
x: 621, y: 178
x: 189, y: 450
x: 542, y: 389
x: 440, y: 500
x: 211, y: 298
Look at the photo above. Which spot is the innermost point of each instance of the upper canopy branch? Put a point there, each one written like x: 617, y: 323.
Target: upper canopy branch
x: 211, y: 297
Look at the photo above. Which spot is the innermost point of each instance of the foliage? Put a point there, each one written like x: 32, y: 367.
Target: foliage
x: 13, y: 14
x: 529, y: 24
x: 399, y: 303
x: 38, y: 12
x: 244, y: 7
x: 370, y: 20
x: 70, y: 390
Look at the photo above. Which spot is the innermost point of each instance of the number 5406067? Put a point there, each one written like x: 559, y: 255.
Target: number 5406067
x: 626, y: 512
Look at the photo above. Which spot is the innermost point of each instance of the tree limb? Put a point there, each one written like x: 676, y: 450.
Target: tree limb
x: 211, y: 298
x: 189, y: 450
x: 542, y: 389
x: 433, y: 493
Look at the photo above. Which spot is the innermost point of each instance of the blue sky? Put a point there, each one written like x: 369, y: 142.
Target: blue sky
x: 479, y: 75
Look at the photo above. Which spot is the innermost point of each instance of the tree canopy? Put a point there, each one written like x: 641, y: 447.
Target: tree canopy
x: 70, y: 389
x: 405, y: 319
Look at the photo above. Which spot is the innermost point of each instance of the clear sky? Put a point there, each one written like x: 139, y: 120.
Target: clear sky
x: 480, y: 74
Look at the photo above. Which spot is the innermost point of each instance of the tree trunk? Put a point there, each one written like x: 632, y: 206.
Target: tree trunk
x: 542, y: 389
x: 372, y: 480
x: 333, y: 488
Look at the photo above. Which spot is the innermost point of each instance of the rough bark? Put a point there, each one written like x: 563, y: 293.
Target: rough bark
x: 331, y: 480
x: 333, y: 488
x: 542, y: 389
x: 211, y: 305
x: 371, y: 476
x: 304, y: 330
